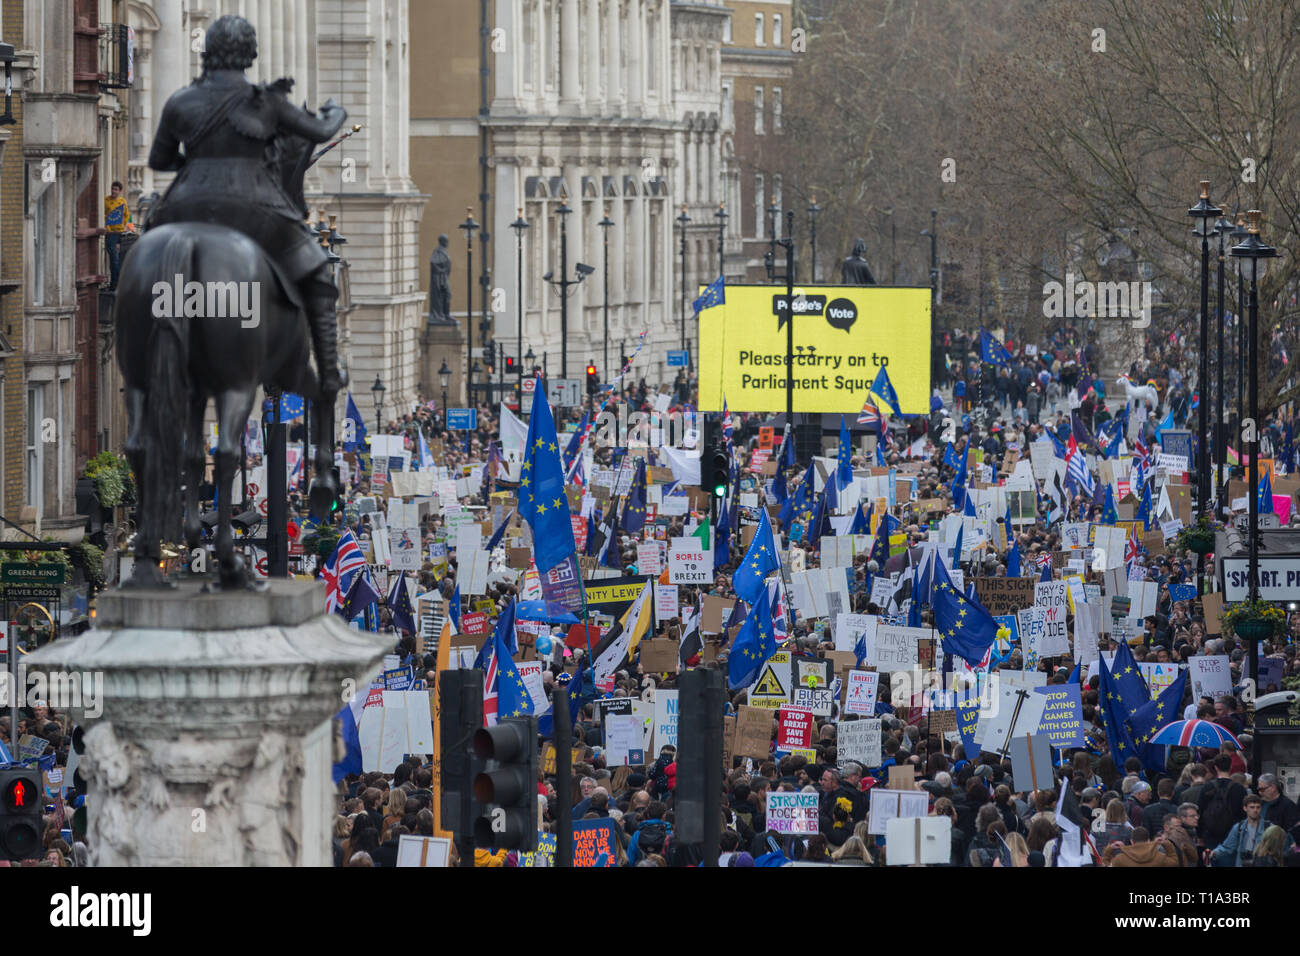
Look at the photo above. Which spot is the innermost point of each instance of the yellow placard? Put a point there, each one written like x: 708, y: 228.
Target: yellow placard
x: 842, y: 337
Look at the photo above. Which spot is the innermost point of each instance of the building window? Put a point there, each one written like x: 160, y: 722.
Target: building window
x: 776, y: 109
x: 758, y: 110
x: 776, y: 29
x: 776, y: 196
x: 652, y: 50
x: 35, y: 459
x: 760, y: 207
x: 726, y: 30
x: 727, y: 120
x: 758, y: 30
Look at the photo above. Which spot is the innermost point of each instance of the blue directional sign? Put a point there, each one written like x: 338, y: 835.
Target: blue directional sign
x: 679, y: 358
x: 462, y: 419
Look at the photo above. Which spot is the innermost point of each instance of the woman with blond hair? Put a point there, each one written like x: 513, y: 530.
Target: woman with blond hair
x: 853, y: 852
x: 394, y: 813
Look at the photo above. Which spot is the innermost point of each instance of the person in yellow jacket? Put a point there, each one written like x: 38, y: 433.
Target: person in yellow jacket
x: 117, y: 222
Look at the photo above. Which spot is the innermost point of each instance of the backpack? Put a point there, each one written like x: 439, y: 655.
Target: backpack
x: 654, y: 837
x: 1217, y: 816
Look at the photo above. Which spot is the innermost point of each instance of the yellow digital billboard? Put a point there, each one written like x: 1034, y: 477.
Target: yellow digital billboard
x: 842, y: 337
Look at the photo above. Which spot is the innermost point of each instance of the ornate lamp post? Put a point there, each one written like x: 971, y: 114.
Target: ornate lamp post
x: 1204, y: 212
x: 519, y: 226
x: 377, y: 390
x: 721, y: 216
x: 1222, y: 227
x: 813, y: 210
x: 469, y: 225
x: 604, y: 229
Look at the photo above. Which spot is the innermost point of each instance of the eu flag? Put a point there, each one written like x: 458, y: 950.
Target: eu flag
x: 780, y: 491
x: 787, y: 451
x: 542, y: 499
x: 579, y: 693
x: 634, y: 510
x: 575, y: 443
x: 1154, y: 714
x: 844, y: 470
x: 361, y: 596
x: 968, y: 630
x: 884, y: 389
x: 1265, y: 506
x: 950, y: 456
x: 760, y: 560
x: 354, y: 434
x: 1144, y: 509
x: 399, y: 602
x: 959, y: 479
x: 1115, y: 707
x: 513, y: 699
x: 860, y: 524
x: 755, y: 643
x: 1108, y: 513
x: 993, y: 351
x: 714, y: 294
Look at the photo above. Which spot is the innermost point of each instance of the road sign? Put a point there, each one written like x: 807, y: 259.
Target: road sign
x: 530, y: 385
x: 564, y: 392
x: 23, y: 572
x: 678, y: 358
x: 462, y: 419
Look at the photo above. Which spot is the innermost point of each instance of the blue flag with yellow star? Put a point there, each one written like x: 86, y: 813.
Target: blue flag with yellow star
x: 1114, y: 709
x: 1265, y: 493
x: 967, y: 629
x: 844, y: 464
x: 542, y: 498
x: 755, y: 643
x: 884, y: 390
x: 634, y: 510
x: 1108, y: 513
x: 1153, y: 715
x: 513, y: 699
x: 760, y: 561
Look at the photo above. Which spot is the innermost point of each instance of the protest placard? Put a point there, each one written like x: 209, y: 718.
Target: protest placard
x: 860, y: 692
x: 1005, y: 595
x: 859, y: 741
x: 666, y: 601
x: 772, y: 689
x: 1017, y: 711
x: 888, y: 805
x: 818, y: 700
x: 624, y: 743
x: 415, y: 850
x: 688, y: 562
x: 753, y: 732
x: 665, y: 718
x: 918, y: 840
x: 659, y: 656
x: 1210, y: 676
x: 1062, y: 719
x: 649, y: 558
x: 1031, y: 762
x: 794, y: 728
x: 1159, y: 676
x: 849, y: 628
x: 1052, y: 595
x: 1031, y: 623
x: 594, y: 843
x: 897, y: 647
x: 795, y: 813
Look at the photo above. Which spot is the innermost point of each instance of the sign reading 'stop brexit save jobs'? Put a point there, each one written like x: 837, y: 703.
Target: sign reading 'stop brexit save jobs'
x: 842, y: 337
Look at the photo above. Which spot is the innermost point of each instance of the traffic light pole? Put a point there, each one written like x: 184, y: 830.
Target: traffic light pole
x: 563, y: 724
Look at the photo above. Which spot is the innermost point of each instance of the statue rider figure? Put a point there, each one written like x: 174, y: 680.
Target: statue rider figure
x: 231, y: 130
x: 854, y: 270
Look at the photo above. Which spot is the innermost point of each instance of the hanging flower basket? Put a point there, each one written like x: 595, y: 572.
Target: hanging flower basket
x: 1198, y: 538
x: 1255, y: 620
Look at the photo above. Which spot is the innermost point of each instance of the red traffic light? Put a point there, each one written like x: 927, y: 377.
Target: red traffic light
x: 591, y: 370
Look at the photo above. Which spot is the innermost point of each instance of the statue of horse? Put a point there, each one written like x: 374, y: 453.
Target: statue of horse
x: 202, y: 313
x: 1146, y: 393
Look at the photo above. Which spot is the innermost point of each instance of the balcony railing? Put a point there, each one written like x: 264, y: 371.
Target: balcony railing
x: 117, y: 56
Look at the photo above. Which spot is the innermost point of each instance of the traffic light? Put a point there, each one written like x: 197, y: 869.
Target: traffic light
x: 593, y: 380
x: 21, y: 799
x: 512, y: 365
x: 460, y: 715
x: 716, y: 467
x: 698, y: 796
x: 508, y: 785
x: 489, y: 353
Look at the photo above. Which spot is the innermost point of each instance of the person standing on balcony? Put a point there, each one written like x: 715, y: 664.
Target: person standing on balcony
x: 117, y: 222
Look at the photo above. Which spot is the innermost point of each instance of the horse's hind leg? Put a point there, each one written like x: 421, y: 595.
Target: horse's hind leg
x: 148, y: 545
x: 195, y: 455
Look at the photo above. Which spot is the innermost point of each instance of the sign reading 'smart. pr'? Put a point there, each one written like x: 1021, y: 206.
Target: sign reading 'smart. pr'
x: 1279, y: 579
x: 843, y: 336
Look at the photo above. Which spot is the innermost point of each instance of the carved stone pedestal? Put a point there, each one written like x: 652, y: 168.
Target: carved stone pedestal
x: 215, y: 742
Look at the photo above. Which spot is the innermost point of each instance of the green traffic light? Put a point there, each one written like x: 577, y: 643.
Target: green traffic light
x: 720, y: 491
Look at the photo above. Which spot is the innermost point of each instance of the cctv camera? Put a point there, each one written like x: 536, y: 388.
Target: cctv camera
x: 547, y: 277
x: 584, y: 269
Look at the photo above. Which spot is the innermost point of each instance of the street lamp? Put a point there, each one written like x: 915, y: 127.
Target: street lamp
x: 1239, y: 233
x: 683, y: 220
x: 1203, y: 212
x: 377, y: 390
x: 1222, y: 227
x: 469, y: 225
x: 721, y: 216
x: 933, y: 233
x: 530, y: 358
x: 604, y: 228
x: 519, y: 225
x: 1252, y: 249
x: 563, y: 282
x: 444, y: 379
x: 770, y: 261
x: 813, y: 210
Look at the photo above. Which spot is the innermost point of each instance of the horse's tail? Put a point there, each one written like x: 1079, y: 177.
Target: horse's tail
x: 167, y: 399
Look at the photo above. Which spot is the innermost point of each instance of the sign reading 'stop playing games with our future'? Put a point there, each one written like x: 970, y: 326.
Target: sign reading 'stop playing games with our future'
x: 843, y: 337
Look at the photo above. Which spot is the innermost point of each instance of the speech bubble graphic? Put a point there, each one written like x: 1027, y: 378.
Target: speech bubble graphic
x: 841, y: 314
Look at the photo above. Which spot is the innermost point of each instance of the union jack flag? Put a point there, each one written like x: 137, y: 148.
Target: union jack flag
x: 1131, y: 547
x: 490, y: 690
x: 727, y: 429
x: 1044, y: 559
x: 340, y: 572
x: 870, y: 415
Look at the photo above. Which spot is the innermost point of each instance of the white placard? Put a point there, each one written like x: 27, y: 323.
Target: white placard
x: 897, y: 649
x: 1210, y: 675
x: 623, y: 734
x: 688, y: 562
x: 649, y: 558
x: 665, y: 718
x: 415, y: 850
x: 849, y: 627
x: 666, y: 601
x: 889, y: 805
x: 859, y: 741
x: 861, y: 698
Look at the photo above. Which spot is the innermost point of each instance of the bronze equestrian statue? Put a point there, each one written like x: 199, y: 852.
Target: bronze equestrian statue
x: 226, y: 290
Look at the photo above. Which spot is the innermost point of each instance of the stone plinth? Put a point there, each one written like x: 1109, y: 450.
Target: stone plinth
x: 214, y: 745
